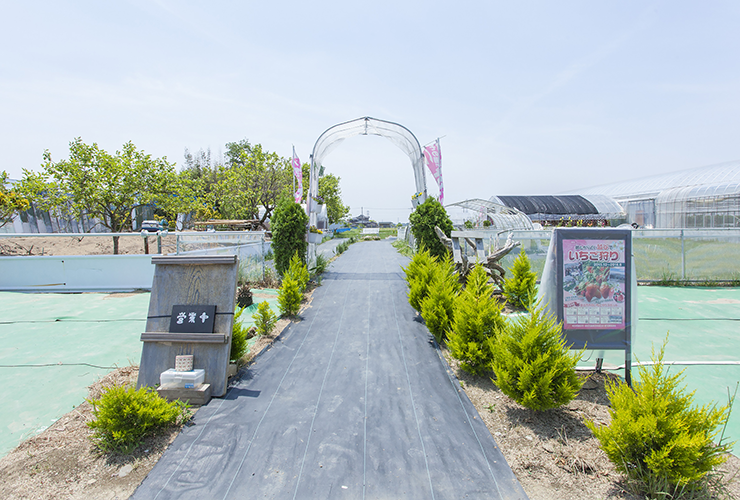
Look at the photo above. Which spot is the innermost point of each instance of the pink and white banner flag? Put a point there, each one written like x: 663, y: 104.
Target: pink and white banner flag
x: 298, y: 174
x: 433, y: 157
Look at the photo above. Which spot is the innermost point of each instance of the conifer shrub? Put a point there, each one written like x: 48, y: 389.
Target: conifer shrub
x: 437, y: 308
x: 520, y: 289
x: 123, y: 417
x: 299, y: 271
x: 238, y: 338
x: 264, y: 319
x: 289, y: 296
x: 532, y: 363
x: 288, y: 224
x: 657, y: 437
x: 427, y: 215
x: 418, y: 276
x: 476, y: 324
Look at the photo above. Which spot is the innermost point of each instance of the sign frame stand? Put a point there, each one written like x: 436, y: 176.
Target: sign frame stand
x: 190, y: 280
x: 610, y: 337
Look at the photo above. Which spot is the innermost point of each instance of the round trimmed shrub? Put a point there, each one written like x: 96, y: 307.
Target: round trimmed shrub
x: 427, y: 215
x: 288, y: 224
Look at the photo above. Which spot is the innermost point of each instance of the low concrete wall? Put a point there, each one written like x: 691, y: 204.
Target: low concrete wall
x: 76, y: 273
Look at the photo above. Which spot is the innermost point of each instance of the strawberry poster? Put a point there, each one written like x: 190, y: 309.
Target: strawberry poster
x: 593, y: 286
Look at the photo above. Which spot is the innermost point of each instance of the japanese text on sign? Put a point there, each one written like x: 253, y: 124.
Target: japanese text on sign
x: 192, y: 318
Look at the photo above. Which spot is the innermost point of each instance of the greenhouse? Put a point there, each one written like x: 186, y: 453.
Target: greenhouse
x: 706, y: 197
x: 592, y: 210
x: 499, y: 216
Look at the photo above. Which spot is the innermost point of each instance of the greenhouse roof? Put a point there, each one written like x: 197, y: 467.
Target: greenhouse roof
x: 651, y: 187
x: 501, y: 216
x: 561, y: 205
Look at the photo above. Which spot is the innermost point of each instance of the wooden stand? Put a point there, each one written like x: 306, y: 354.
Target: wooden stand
x: 190, y: 280
x: 194, y: 397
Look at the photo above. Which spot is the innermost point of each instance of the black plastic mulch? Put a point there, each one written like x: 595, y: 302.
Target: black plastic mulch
x: 354, y: 401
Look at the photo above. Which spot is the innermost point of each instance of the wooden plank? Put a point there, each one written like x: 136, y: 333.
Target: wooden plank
x: 194, y: 397
x: 456, y: 252
x: 197, y: 338
x: 480, y: 250
x: 472, y: 234
x: 199, y: 260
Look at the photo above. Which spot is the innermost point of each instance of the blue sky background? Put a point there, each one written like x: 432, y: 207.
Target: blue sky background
x: 531, y: 97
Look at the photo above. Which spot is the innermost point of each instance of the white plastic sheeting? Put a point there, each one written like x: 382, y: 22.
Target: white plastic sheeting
x: 706, y: 197
x: 397, y: 134
x: 500, y: 216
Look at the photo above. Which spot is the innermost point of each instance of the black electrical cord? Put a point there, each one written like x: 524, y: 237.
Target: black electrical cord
x: 59, y: 364
x: 63, y: 320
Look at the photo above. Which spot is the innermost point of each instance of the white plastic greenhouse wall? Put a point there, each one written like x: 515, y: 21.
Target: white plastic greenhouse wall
x: 706, y: 197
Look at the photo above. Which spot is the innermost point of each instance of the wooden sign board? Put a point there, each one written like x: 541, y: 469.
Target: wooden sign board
x: 190, y: 282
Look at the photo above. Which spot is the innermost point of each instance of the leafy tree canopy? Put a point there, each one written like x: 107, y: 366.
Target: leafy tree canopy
x: 252, y: 177
x: 105, y: 186
x: 427, y: 215
x: 10, y: 201
x: 330, y: 191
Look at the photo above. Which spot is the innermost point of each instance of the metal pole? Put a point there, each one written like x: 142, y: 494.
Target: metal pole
x: 683, y: 258
x: 263, y: 256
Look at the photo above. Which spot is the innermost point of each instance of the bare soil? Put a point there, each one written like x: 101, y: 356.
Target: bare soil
x: 553, y: 453
x: 85, y: 244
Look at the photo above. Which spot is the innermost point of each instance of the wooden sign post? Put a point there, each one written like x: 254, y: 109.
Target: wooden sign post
x: 191, y: 311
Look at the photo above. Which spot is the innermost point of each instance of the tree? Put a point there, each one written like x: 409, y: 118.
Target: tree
x: 107, y: 187
x: 477, y: 323
x: 288, y: 233
x: 532, y: 362
x: 10, y: 201
x: 252, y: 178
x: 427, y: 215
x: 330, y: 191
x: 521, y: 288
x: 201, y: 175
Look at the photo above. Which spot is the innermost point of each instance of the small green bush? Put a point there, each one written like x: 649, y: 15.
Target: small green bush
x: 418, y: 277
x: 288, y: 224
x: 532, y: 362
x: 521, y: 288
x: 264, y: 319
x: 477, y: 323
x: 657, y: 437
x: 427, y: 215
x: 123, y: 417
x: 438, y: 307
x: 238, y: 338
x: 289, y: 296
x: 320, y: 265
x: 298, y: 271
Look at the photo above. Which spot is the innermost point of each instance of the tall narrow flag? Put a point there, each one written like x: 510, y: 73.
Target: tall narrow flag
x: 298, y: 176
x: 433, y: 157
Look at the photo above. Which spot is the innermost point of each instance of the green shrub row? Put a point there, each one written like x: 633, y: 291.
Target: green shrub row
x: 666, y: 446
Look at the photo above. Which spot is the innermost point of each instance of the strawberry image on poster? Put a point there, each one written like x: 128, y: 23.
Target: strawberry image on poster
x: 593, y: 284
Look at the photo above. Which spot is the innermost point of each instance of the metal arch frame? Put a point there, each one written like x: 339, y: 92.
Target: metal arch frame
x: 325, y: 140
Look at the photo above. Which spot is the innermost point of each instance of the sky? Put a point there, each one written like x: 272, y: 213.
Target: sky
x: 530, y: 97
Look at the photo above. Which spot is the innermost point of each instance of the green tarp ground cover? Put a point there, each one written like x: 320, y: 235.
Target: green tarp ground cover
x: 67, y: 332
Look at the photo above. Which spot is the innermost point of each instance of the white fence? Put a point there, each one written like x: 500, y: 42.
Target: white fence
x: 88, y: 273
